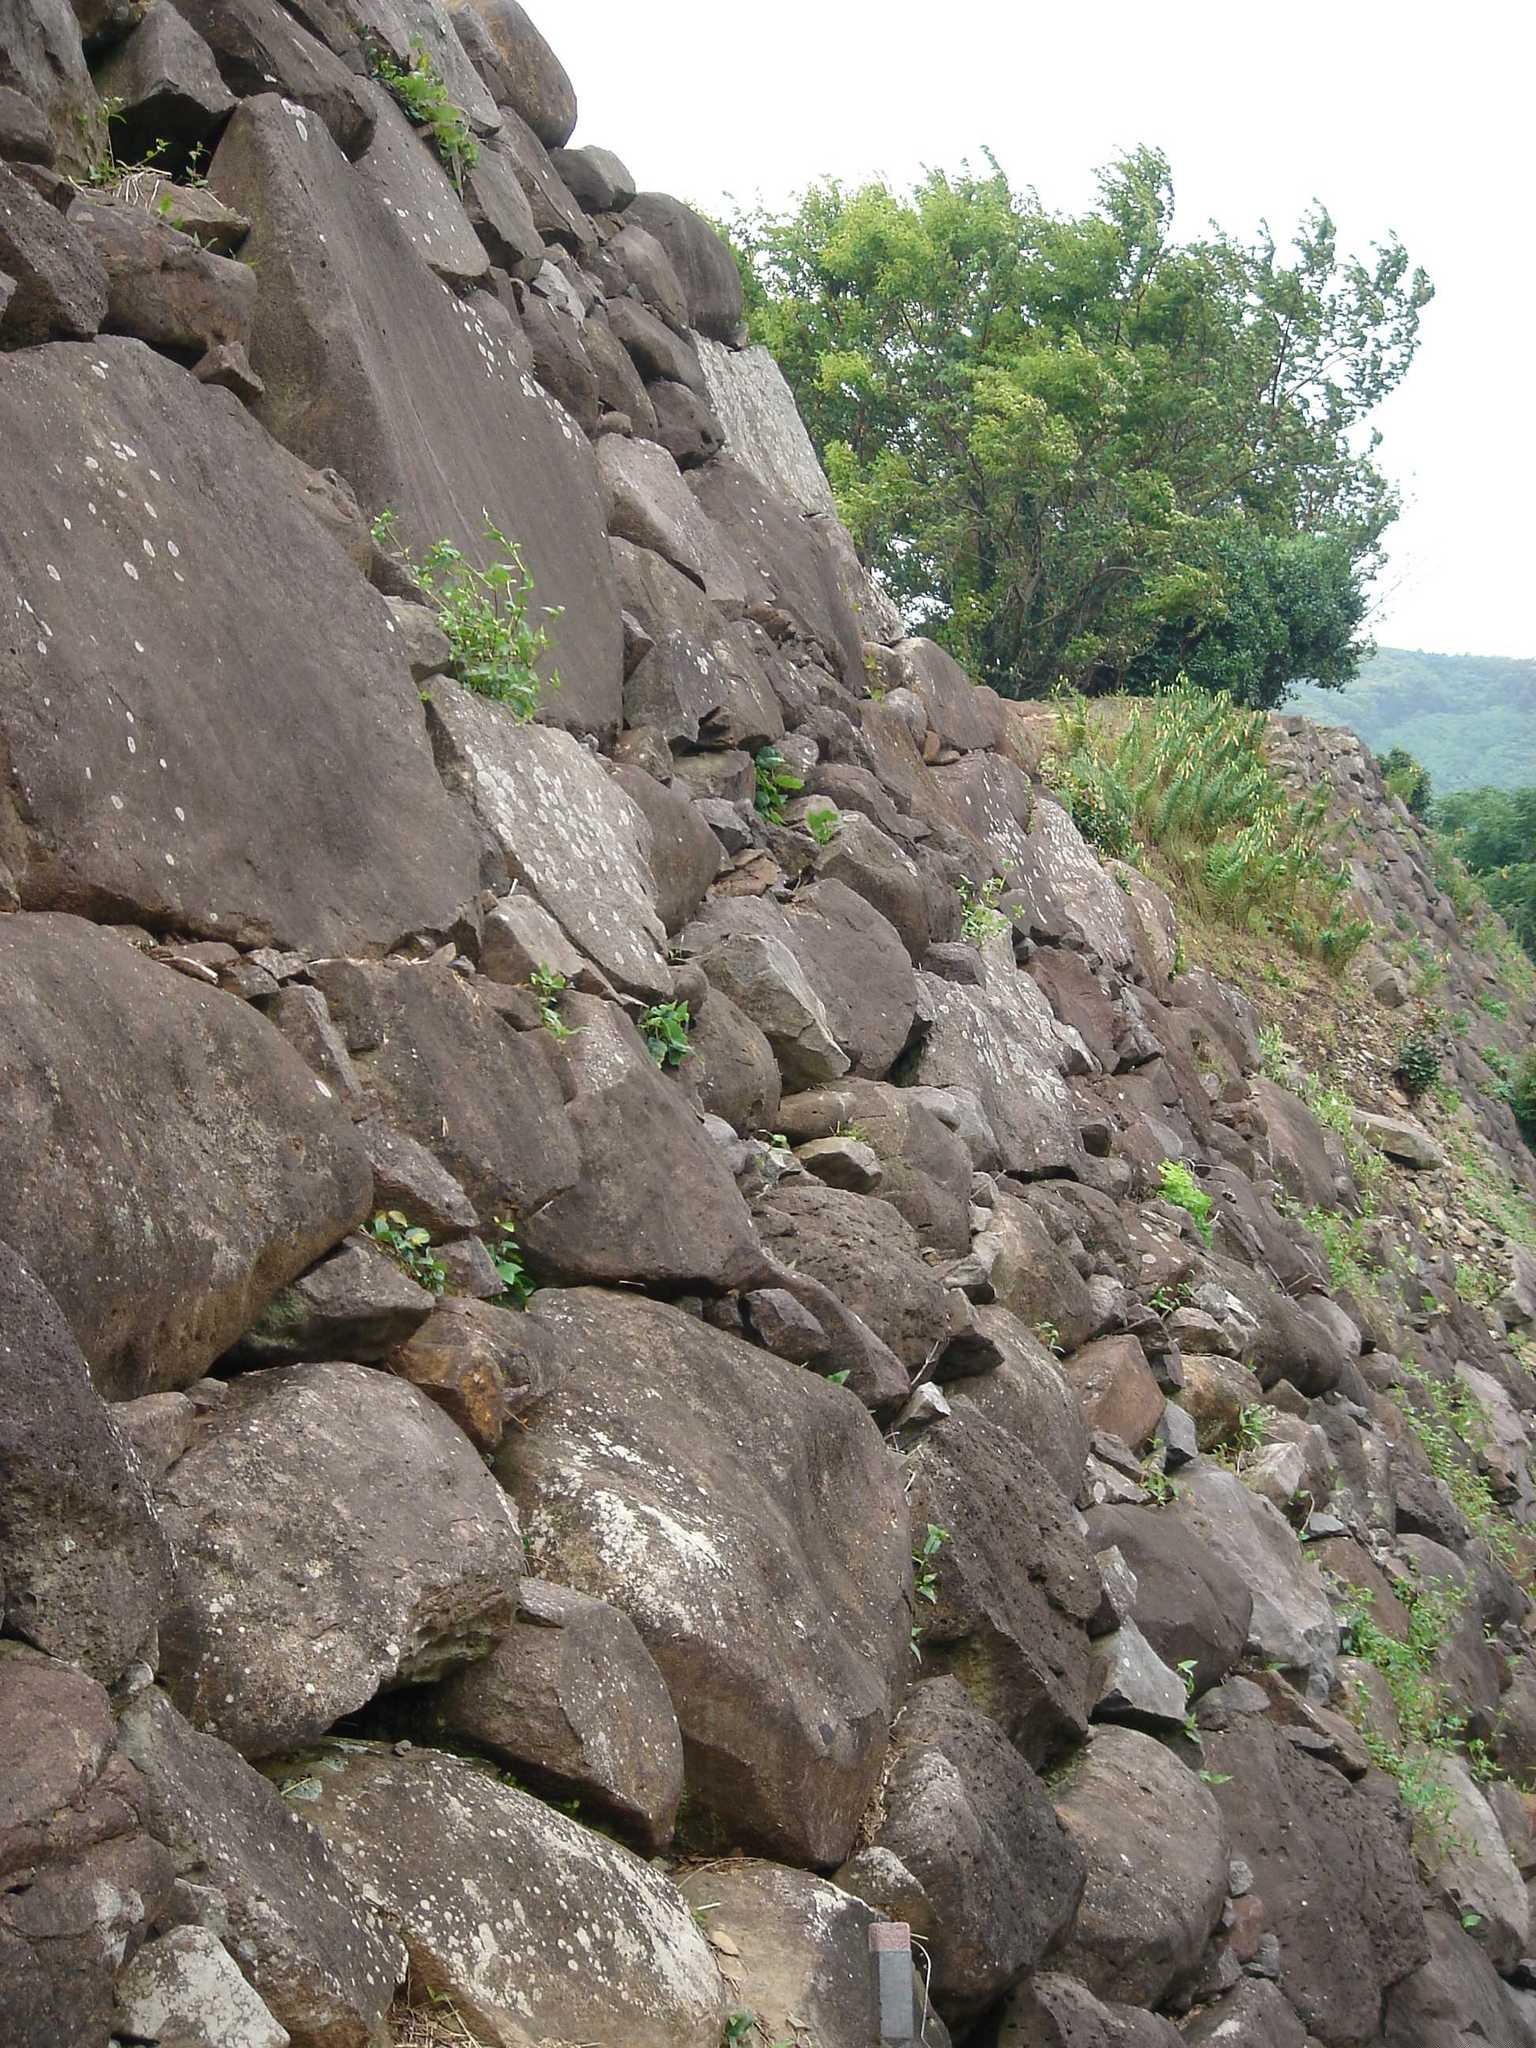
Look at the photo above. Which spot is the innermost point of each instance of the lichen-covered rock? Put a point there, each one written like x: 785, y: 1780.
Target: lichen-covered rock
x: 973, y: 1825
x: 309, y: 1942
x: 169, y: 1161
x: 1352, y: 1927
x: 747, y: 1518
x: 81, y: 1879
x: 56, y: 286
x: 186, y: 1987
x: 795, y: 1952
x: 374, y: 367
x: 762, y: 426
x: 1015, y: 1584
x: 149, y: 523
x: 998, y: 1039
x: 538, y: 1929
x: 85, y: 1567
x: 571, y: 1700
x: 654, y: 1201
x: 1155, y: 1846
x: 336, y: 1535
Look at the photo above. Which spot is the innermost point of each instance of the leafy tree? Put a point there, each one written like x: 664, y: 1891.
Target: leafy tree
x: 1493, y: 831
x: 1081, y: 448
x: 1407, y: 778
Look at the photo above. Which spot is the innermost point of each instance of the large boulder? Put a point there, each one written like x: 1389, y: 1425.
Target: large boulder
x: 260, y: 48
x: 1155, y: 1846
x: 1293, y: 1623
x: 996, y: 1037
x: 81, y: 1878
x: 169, y: 1161
x: 1192, y: 1606
x: 747, y: 1518
x: 566, y: 829
x: 847, y: 951
x: 1476, y: 1872
x: 703, y: 261
x: 372, y: 366
x: 186, y: 1986
x: 654, y: 1201
x: 1333, y: 1871
x: 763, y: 427
x: 41, y: 58
x: 537, y: 1929
x: 518, y: 66
x: 1015, y: 1585
x: 1454, y: 2000
x: 795, y: 1953
x: 55, y: 286
x: 1028, y: 1397
x: 571, y: 1700
x: 1061, y: 894
x: 86, y: 1566
x: 867, y: 1254
x: 998, y: 1876
x: 484, y: 1099
x: 327, y: 1505
x: 258, y: 771
x: 309, y: 1942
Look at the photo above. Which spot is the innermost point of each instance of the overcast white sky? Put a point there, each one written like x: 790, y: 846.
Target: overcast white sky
x: 1414, y: 119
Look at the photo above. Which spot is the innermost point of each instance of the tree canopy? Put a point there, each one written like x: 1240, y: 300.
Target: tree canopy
x: 1494, y: 832
x: 1081, y: 448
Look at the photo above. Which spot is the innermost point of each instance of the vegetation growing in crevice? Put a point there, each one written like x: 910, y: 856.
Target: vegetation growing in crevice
x: 410, y: 1246
x: 666, y: 1029
x: 486, y: 614
x: 1176, y: 1184
x: 774, y: 784
x: 420, y: 91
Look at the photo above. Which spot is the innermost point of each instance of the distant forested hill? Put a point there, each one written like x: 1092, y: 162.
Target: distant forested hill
x: 1470, y: 718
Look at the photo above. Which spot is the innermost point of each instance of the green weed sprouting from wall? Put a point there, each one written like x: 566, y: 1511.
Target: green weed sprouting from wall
x: 421, y: 93
x: 1176, y: 1184
x: 1185, y: 772
x: 486, y: 614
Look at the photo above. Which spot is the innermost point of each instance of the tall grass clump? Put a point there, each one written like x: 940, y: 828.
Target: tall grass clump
x: 1184, y: 773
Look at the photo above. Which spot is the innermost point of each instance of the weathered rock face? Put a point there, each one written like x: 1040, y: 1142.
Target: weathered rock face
x: 87, y: 1568
x: 571, y: 1700
x: 1354, y: 1927
x: 496, y: 1895
x: 704, y: 1489
x: 354, y: 337
x: 409, y: 1550
x: 881, y: 1432
x: 1155, y: 1847
x: 964, y: 1814
x: 481, y: 1097
x: 170, y: 1161
x: 142, y: 646
x: 82, y: 1877
x: 310, y: 1944
x: 1016, y: 1586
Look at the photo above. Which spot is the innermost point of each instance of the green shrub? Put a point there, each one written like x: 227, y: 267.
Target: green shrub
x: 774, y: 784
x: 549, y: 985
x: 1408, y: 779
x: 424, y: 98
x: 1418, y: 1059
x: 665, y: 1027
x: 410, y: 1247
x: 1185, y: 772
x: 484, y: 613
x: 980, y: 918
x: 823, y: 825
x: 1522, y: 1096
x: 1176, y: 1184
x: 507, y: 1257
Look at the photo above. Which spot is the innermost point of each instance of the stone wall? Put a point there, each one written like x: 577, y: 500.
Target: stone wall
x: 887, y: 1505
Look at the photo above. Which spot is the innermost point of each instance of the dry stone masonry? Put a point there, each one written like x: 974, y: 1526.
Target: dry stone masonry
x: 603, y: 1390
